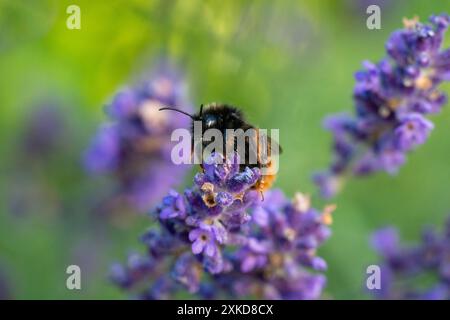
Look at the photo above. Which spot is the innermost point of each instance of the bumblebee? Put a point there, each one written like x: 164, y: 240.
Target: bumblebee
x: 258, y: 146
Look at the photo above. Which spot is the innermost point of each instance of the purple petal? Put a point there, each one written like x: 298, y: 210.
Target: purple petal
x: 197, y: 246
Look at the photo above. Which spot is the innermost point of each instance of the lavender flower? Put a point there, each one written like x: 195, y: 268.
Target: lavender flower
x: 44, y: 133
x: 220, y: 240
x: 133, y: 147
x: 203, y: 241
x: 275, y: 259
x: 30, y: 175
x: 391, y: 100
x: 405, y: 268
x: 136, y: 268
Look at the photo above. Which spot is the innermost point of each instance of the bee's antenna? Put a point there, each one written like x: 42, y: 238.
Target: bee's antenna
x: 262, y: 196
x: 201, y: 110
x: 177, y: 110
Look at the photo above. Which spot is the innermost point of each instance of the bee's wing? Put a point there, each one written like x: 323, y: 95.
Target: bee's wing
x: 265, y: 148
x: 257, y: 145
x: 272, y: 146
x: 268, y: 157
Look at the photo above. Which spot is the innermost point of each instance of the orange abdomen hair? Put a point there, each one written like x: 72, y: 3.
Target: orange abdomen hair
x: 266, y: 181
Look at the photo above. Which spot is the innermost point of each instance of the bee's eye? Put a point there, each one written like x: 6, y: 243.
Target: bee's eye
x: 210, y: 120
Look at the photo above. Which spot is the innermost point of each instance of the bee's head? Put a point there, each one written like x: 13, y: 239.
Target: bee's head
x: 220, y: 116
x: 209, y: 116
x: 215, y: 116
x: 210, y: 120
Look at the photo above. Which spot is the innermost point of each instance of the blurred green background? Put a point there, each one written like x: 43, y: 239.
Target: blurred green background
x: 287, y: 64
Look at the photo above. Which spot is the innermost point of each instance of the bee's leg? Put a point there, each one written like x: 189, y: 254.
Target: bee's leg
x: 260, y: 187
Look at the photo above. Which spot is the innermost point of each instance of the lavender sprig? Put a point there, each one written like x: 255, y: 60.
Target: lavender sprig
x: 391, y: 100
x: 220, y: 240
x: 405, y: 268
x: 133, y: 146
